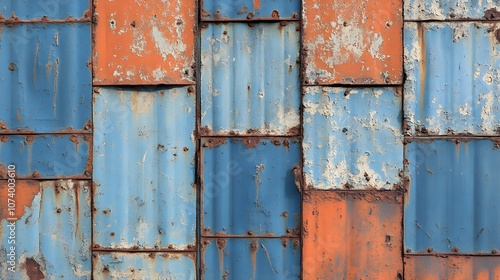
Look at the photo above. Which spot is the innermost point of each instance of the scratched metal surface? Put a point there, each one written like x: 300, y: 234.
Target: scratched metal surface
x: 451, y: 9
x: 452, y: 78
x: 352, y: 138
x: 51, y: 9
x: 250, y: 9
x: 452, y: 202
x: 144, y: 168
x: 250, y: 79
x: 249, y: 187
x: 250, y: 258
x: 45, y: 84
x: 53, y: 230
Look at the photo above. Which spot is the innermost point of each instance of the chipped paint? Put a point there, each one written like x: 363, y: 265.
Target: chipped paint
x: 226, y: 10
x: 449, y: 10
x: 45, y: 10
x: 452, y: 267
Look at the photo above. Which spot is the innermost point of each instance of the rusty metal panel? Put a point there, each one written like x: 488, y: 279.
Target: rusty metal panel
x: 352, y: 42
x: 452, y: 78
x: 46, y: 84
x: 451, y: 10
x: 250, y: 9
x: 452, y: 203
x: 353, y: 138
x: 250, y: 79
x: 52, y: 229
x: 452, y: 267
x: 48, y: 10
x: 352, y: 235
x: 250, y: 258
x: 249, y: 187
x: 145, y: 147
x: 143, y: 266
x: 46, y: 156
x: 144, y: 42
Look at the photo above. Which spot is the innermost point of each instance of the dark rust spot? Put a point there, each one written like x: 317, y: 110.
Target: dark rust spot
x: 205, y: 130
x: 367, y: 177
x: 3, y: 171
x: 455, y: 249
x: 205, y: 13
x: 12, y: 67
x: 191, y: 89
x: 36, y: 174
x: 214, y: 142
x: 348, y: 186
x: 250, y: 16
x: 429, y: 250
x: 30, y: 138
x: 221, y: 243
x: 286, y: 143
x: 275, y: 14
x: 294, y: 130
x: 251, y: 142
x: 33, y: 270
x: 185, y: 149
x: 4, y: 138
x: 497, y: 35
x: 73, y: 138
x: 492, y: 14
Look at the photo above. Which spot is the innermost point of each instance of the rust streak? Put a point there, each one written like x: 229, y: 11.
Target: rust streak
x: 33, y: 269
x: 254, y: 246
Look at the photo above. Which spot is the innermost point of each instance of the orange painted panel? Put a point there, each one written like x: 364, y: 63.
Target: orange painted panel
x: 144, y: 42
x: 353, y: 42
x: 352, y: 235
x: 452, y: 267
x: 22, y: 193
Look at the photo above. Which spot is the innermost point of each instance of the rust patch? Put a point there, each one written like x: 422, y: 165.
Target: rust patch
x: 294, y: 130
x: 251, y: 142
x: 30, y: 138
x: 26, y: 190
x: 492, y: 14
x: 205, y: 130
x: 214, y: 142
x: 3, y: 171
x: 254, y: 246
x: 74, y: 138
x: 33, y: 269
x: 4, y: 138
x: 205, y: 13
x: 275, y: 14
x: 497, y: 35
x: 3, y: 125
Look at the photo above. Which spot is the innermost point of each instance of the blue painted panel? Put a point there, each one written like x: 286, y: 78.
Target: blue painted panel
x: 250, y: 79
x: 249, y: 187
x: 45, y: 78
x: 125, y: 266
x: 144, y: 168
x: 46, y: 156
x: 452, y: 79
x: 250, y: 9
x: 244, y: 258
x: 352, y: 138
x: 453, y: 196
x: 52, y: 9
x: 53, y: 235
x: 450, y: 9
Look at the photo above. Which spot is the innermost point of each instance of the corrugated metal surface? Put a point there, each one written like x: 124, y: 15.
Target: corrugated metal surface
x: 46, y: 84
x: 52, y: 232
x: 452, y: 78
x: 52, y: 9
x: 451, y: 9
x: 144, y: 42
x: 250, y: 188
x: 452, y: 203
x: 452, y: 267
x: 250, y: 79
x: 250, y: 9
x: 352, y: 235
x: 245, y: 258
x: 352, y: 42
x: 46, y: 156
x: 352, y: 138
x: 113, y: 265
x: 144, y: 147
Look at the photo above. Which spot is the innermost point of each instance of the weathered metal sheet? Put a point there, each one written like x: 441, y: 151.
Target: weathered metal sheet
x: 145, y: 147
x: 452, y: 203
x: 352, y: 235
x: 250, y: 9
x: 250, y: 258
x: 48, y: 10
x: 142, y: 266
x: 250, y: 79
x: 52, y: 231
x: 46, y: 156
x: 452, y: 267
x: 249, y: 187
x: 451, y: 10
x: 452, y: 78
x: 353, y: 138
x: 352, y: 42
x: 144, y: 42
x: 46, y: 84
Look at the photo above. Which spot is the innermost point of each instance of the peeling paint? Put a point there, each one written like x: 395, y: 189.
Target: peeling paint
x: 449, y: 10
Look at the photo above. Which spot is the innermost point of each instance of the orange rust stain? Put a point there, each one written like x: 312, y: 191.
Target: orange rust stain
x: 256, y: 4
x: 353, y: 42
x: 26, y: 190
x: 144, y: 42
x: 352, y: 235
x: 452, y: 267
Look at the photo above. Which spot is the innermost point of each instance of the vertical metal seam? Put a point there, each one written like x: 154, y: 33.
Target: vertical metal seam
x: 404, y: 179
x: 197, y: 57
x: 92, y: 43
x: 301, y: 137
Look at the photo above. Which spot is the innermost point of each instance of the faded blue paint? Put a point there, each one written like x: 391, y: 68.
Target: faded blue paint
x: 352, y: 138
x: 452, y: 79
x: 58, y: 243
x: 48, y: 156
x: 45, y: 79
x: 449, y: 9
x: 250, y: 78
x: 245, y: 258
x: 124, y: 266
x: 453, y: 196
x: 144, y: 168
x: 241, y: 9
x: 250, y: 189
x: 52, y: 9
